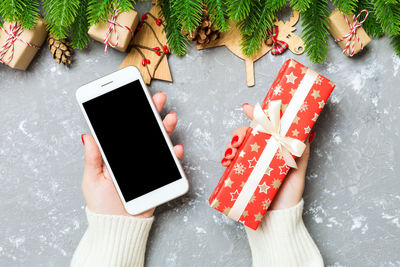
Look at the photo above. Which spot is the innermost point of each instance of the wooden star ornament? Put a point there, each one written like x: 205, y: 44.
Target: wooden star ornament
x: 149, y: 49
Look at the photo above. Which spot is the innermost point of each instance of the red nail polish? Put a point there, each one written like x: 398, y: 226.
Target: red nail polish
x: 181, y: 146
x: 223, y: 161
x: 83, y: 140
x: 228, y: 152
x: 234, y: 139
x: 245, y: 104
x: 312, y: 136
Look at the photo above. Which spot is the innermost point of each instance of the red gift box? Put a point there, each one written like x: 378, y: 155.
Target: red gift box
x: 277, y: 133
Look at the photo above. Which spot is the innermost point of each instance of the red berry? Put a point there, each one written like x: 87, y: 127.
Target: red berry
x: 156, y: 48
x: 138, y: 28
x: 143, y: 62
x: 165, y: 49
x: 158, y: 53
x: 147, y: 61
x: 158, y: 22
x: 144, y: 16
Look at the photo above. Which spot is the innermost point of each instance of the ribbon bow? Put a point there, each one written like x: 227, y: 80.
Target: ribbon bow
x: 352, y: 35
x: 13, y: 34
x: 112, y: 28
x: 288, y: 146
x: 278, y: 46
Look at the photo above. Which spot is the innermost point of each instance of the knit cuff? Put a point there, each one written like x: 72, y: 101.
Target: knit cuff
x: 113, y: 240
x: 283, y: 240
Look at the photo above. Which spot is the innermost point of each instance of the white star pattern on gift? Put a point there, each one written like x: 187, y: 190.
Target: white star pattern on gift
x: 254, y: 132
x: 277, y: 90
x: 241, y: 154
x: 304, y: 107
x: 318, y: 80
x: 263, y: 188
x: 234, y: 195
x: 321, y: 104
x: 290, y: 78
x: 239, y: 168
x: 315, y: 94
x: 268, y: 171
x: 284, y: 169
x: 307, y: 130
x: 252, y: 162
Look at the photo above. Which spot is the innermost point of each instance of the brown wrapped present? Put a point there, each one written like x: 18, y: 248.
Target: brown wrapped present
x: 19, y: 46
x: 117, y: 32
x: 347, y: 31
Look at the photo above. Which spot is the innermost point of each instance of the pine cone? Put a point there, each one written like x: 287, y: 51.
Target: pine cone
x: 61, y: 50
x: 205, y: 32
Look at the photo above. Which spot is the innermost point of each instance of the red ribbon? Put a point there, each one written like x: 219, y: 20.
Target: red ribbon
x: 112, y: 28
x: 278, y: 46
x: 13, y: 34
x: 352, y: 35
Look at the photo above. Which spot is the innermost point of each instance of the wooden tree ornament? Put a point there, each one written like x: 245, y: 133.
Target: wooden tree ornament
x: 149, y: 49
x: 232, y: 40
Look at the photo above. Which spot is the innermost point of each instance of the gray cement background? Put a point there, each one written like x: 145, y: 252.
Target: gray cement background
x: 352, y: 197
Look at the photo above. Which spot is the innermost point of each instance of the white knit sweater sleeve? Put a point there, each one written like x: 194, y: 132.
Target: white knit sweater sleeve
x: 283, y: 240
x: 112, y: 240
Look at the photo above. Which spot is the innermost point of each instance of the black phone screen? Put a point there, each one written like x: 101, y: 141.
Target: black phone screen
x: 132, y: 141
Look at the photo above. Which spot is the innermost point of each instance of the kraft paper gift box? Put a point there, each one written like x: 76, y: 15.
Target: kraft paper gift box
x: 339, y: 28
x: 250, y: 183
x: 121, y: 32
x: 20, y: 50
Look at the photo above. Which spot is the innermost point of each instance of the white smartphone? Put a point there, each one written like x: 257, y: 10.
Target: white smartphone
x: 133, y: 142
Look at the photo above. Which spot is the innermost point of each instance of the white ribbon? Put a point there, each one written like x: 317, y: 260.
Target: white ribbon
x: 277, y: 127
x: 272, y: 126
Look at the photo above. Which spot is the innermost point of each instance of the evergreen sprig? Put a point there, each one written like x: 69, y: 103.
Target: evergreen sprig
x: 315, y: 30
x: 60, y: 14
x: 370, y: 25
x: 188, y: 13
x: 218, y: 13
x: 388, y: 14
x: 26, y: 12
x: 239, y: 9
x: 79, y: 29
x: 346, y: 6
x: 395, y: 41
x: 300, y: 5
x: 176, y: 40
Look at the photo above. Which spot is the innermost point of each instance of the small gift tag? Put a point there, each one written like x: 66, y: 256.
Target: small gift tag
x: 348, y: 32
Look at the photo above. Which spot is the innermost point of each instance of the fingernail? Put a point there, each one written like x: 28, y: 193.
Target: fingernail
x: 223, y: 161
x: 228, y: 152
x: 234, y: 139
x: 173, y: 113
x: 83, y: 140
x: 181, y: 146
x: 245, y: 104
x: 312, y: 136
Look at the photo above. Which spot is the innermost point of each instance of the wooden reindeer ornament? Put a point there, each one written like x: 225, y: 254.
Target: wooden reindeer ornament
x: 232, y: 40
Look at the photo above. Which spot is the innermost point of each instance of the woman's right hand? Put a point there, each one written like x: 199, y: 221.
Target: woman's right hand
x: 291, y: 190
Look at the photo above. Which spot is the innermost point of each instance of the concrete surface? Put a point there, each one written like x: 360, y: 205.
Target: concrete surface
x: 352, y: 197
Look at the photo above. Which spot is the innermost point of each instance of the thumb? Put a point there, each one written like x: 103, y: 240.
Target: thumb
x: 93, y: 159
x: 248, y: 110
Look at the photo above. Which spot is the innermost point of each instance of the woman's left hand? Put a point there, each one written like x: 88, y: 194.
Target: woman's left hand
x: 97, y: 185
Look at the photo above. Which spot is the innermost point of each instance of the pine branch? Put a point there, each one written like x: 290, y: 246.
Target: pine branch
x: 370, y: 25
x: 60, y: 14
x: 239, y: 9
x: 346, y: 6
x: 218, y: 13
x: 26, y: 12
x: 79, y: 29
x: 176, y: 40
x: 315, y: 30
x: 188, y: 13
x: 99, y: 10
x: 300, y: 5
x: 395, y: 42
x: 388, y: 14
x: 264, y: 18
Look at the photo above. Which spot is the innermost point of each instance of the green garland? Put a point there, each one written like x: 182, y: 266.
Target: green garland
x: 72, y: 18
x: 255, y: 17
